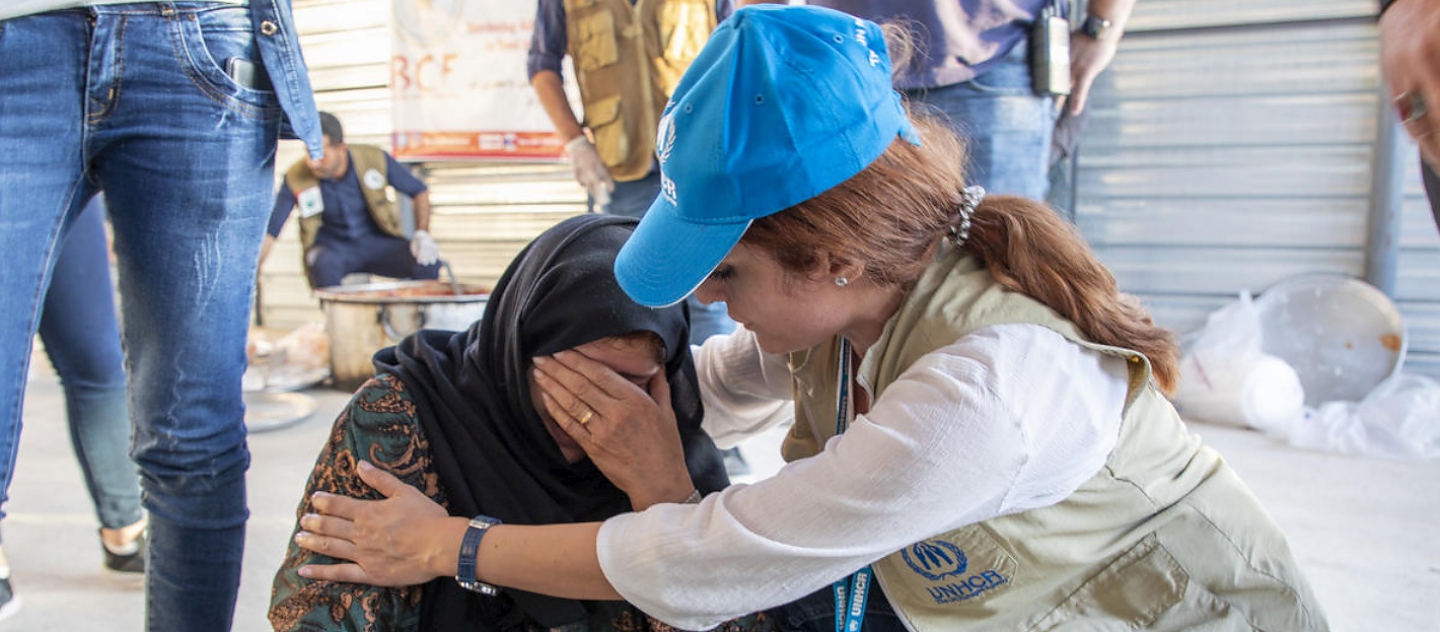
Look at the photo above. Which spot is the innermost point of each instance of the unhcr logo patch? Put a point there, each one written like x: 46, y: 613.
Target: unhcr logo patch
x: 945, y: 565
x: 967, y: 588
x: 935, y: 559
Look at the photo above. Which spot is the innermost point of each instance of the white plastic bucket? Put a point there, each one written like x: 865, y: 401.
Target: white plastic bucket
x: 1256, y: 390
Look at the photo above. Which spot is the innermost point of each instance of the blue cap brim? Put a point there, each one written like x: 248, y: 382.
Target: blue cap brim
x: 667, y: 257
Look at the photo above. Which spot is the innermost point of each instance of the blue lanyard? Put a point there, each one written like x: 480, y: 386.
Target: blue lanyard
x: 850, y: 592
x: 850, y: 613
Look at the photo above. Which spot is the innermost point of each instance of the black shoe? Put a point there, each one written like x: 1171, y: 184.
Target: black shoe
x: 132, y: 562
x: 9, y: 601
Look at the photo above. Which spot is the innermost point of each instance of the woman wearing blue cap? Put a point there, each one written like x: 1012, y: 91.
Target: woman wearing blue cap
x: 979, y: 429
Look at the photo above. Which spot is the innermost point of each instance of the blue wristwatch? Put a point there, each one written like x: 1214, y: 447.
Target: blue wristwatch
x: 469, y: 547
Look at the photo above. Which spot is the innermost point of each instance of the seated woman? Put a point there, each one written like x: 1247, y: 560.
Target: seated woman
x: 458, y: 415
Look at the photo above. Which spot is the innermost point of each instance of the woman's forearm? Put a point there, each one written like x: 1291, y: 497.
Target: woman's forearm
x: 558, y: 560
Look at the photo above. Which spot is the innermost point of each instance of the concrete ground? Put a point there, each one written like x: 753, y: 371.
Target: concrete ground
x: 1364, y: 530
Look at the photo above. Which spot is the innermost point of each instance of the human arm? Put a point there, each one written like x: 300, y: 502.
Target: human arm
x: 630, y: 434
x: 422, y: 245
x: 407, y: 539
x: 266, y: 245
x: 550, y: 90
x: 548, y: 44
x: 422, y: 210
x: 284, y: 203
x: 590, y: 171
x: 1006, y: 419
x: 1090, y: 56
x: 1410, y: 60
x: 378, y: 424
x: 745, y: 390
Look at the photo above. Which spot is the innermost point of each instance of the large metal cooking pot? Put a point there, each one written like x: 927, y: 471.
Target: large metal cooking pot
x: 362, y: 319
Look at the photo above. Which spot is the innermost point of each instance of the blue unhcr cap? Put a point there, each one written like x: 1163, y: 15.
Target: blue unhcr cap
x: 782, y: 104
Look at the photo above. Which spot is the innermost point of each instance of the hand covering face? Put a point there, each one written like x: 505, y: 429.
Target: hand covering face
x: 491, y: 450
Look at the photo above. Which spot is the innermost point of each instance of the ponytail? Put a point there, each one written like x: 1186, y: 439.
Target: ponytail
x: 1026, y: 246
x: 1029, y: 249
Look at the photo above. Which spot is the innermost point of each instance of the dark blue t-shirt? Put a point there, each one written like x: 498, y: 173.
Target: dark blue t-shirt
x: 345, y: 216
x: 956, y: 40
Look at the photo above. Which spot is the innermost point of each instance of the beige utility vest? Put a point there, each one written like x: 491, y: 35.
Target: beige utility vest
x: 370, y: 168
x: 1164, y: 536
x: 628, y: 60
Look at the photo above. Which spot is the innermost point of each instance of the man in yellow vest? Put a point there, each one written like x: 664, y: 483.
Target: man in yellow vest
x: 349, y: 220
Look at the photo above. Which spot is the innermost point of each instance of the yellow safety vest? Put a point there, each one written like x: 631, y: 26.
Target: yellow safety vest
x: 628, y: 60
x: 370, y: 165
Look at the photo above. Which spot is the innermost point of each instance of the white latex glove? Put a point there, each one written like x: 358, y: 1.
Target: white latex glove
x: 589, y: 170
x: 424, y: 248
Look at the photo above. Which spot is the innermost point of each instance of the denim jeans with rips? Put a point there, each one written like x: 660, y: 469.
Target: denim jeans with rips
x: 135, y: 99
x: 1007, y: 127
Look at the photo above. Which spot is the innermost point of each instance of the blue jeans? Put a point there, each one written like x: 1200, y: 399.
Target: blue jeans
x: 1007, y: 127
x: 329, y: 261
x: 134, y: 99
x: 816, y: 613
x: 632, y: 199
x: 82, y: 338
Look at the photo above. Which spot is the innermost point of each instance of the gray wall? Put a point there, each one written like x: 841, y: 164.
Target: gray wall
x: 1230, y: 146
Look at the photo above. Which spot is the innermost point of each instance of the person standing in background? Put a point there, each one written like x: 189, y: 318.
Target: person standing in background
x: 349, y: 221
x: 82, y: 338
x: 972, y: 64
x: 174, y: 110
x: 1410, y: 58
x: 628, y: 57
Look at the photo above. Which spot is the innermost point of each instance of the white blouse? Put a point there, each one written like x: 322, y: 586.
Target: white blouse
x: 1008, y: 418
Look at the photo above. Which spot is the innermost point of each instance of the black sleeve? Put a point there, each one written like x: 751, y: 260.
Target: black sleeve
x: 1385, y: 4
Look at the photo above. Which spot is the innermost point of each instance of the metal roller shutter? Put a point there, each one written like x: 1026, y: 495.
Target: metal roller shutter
x: 483, y: 212
x: 1231, y: 145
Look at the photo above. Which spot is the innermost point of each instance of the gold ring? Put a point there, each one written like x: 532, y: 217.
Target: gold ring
x: 585, y: 419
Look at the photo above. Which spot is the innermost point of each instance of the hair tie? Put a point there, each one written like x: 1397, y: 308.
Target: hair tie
x: 969, y: 199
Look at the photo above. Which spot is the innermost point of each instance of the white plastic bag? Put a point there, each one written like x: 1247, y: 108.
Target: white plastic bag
x: 1226, y: 378
x: 1400, y: 418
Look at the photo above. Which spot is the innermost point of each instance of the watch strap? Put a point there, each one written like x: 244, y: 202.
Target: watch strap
x: 469, y: 549
x: 1099, y: 28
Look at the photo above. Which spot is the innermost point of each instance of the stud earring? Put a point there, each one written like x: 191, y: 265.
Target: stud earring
x: 842, y: 281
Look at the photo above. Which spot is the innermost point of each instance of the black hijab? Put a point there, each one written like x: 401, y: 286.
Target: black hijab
x: 491, y: 450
